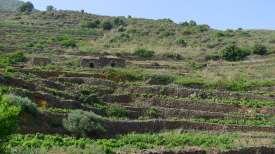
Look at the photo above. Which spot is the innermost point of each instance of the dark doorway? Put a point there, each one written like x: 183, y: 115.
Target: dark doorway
x: 113, y: 64
x: 92, y: 65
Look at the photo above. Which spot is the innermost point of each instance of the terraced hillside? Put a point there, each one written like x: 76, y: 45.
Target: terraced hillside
x: 176, y: 94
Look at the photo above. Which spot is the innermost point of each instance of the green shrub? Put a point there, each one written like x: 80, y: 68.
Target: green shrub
x: 118, y: 21
x: 181, y: 42
x: 107, y: 25
x: 115, y: 111
x: 90, y: 24
x: 65, y: 41
x: 161, y: 79
x: 243, y: 84
x: 234, y: 53
x: 144, y: 53
x: 25, y: 104
x: 152, y: 112
x: 26, y: 7
x: 11, y: 59
x: 9, y: 115
x: 190, y: 82
x: 259, y: 49
x: 82, y: 123
x: 120, y: 74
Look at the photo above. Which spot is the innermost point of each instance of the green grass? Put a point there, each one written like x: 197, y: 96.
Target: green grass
x: 259, y: 120
x: 135, y: 141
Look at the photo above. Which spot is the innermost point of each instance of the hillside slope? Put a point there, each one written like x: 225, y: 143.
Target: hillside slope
x: 128, y: 85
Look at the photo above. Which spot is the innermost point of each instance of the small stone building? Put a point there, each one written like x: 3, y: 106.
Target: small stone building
x: 40, y: 61
x: 99, y: 62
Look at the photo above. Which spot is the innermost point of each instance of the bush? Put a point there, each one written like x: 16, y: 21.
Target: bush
x: 119, y: 74
x: 144, y: 53
x: 161, y: 79
x: 107, y: 25
x: 259, y: 49
x: 119, y: 22
x: 26, y: 7
x: 90, y: 24
x: 9, y: 115
x: 152, y: 112
x: 81, y: 123
x: 25, y: 104
x: 190, y: 82
x: 181, y: 42
x: 11, y: 59
x: 65, y: 41
x: 234, y: 53
x: 115, y: 111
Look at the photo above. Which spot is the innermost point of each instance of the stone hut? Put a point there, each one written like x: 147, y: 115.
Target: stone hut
x: 40, y: 61
x: 99, y: 62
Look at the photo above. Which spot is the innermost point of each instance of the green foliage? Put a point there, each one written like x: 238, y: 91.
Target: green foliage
x: 107, y: 25
x: 25, y: 104
x: 181, y: 42
x: 65, y: 41
x: 190, y: 23
x: 11, y: 59
x: 89, y: 149
x: 90, y: 24
x: 255, y: 104
x: 26, y: 7
x: 47, y: 143
x: 144, y: 53
x: 161, y: 79
x: 169, y: 140
x: 190, y: 81
x: 121, y: 74
x: 9, y: 115
x: 82, y: 123
x: 259, y: 49
x: 234, y: 53
x: 114, y: 111
x: 259, y: 120
x: 118, y: 21
x: 136, y: 141
x: 244, y: 84
x: 152, y: 113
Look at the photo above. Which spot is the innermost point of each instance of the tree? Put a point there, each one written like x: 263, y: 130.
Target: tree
x: 260, y: 49
x: 107, y: 25
x: 26, y: 7
x: 192, y: 23
x: 50, y: 8
x: 234, y: 53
